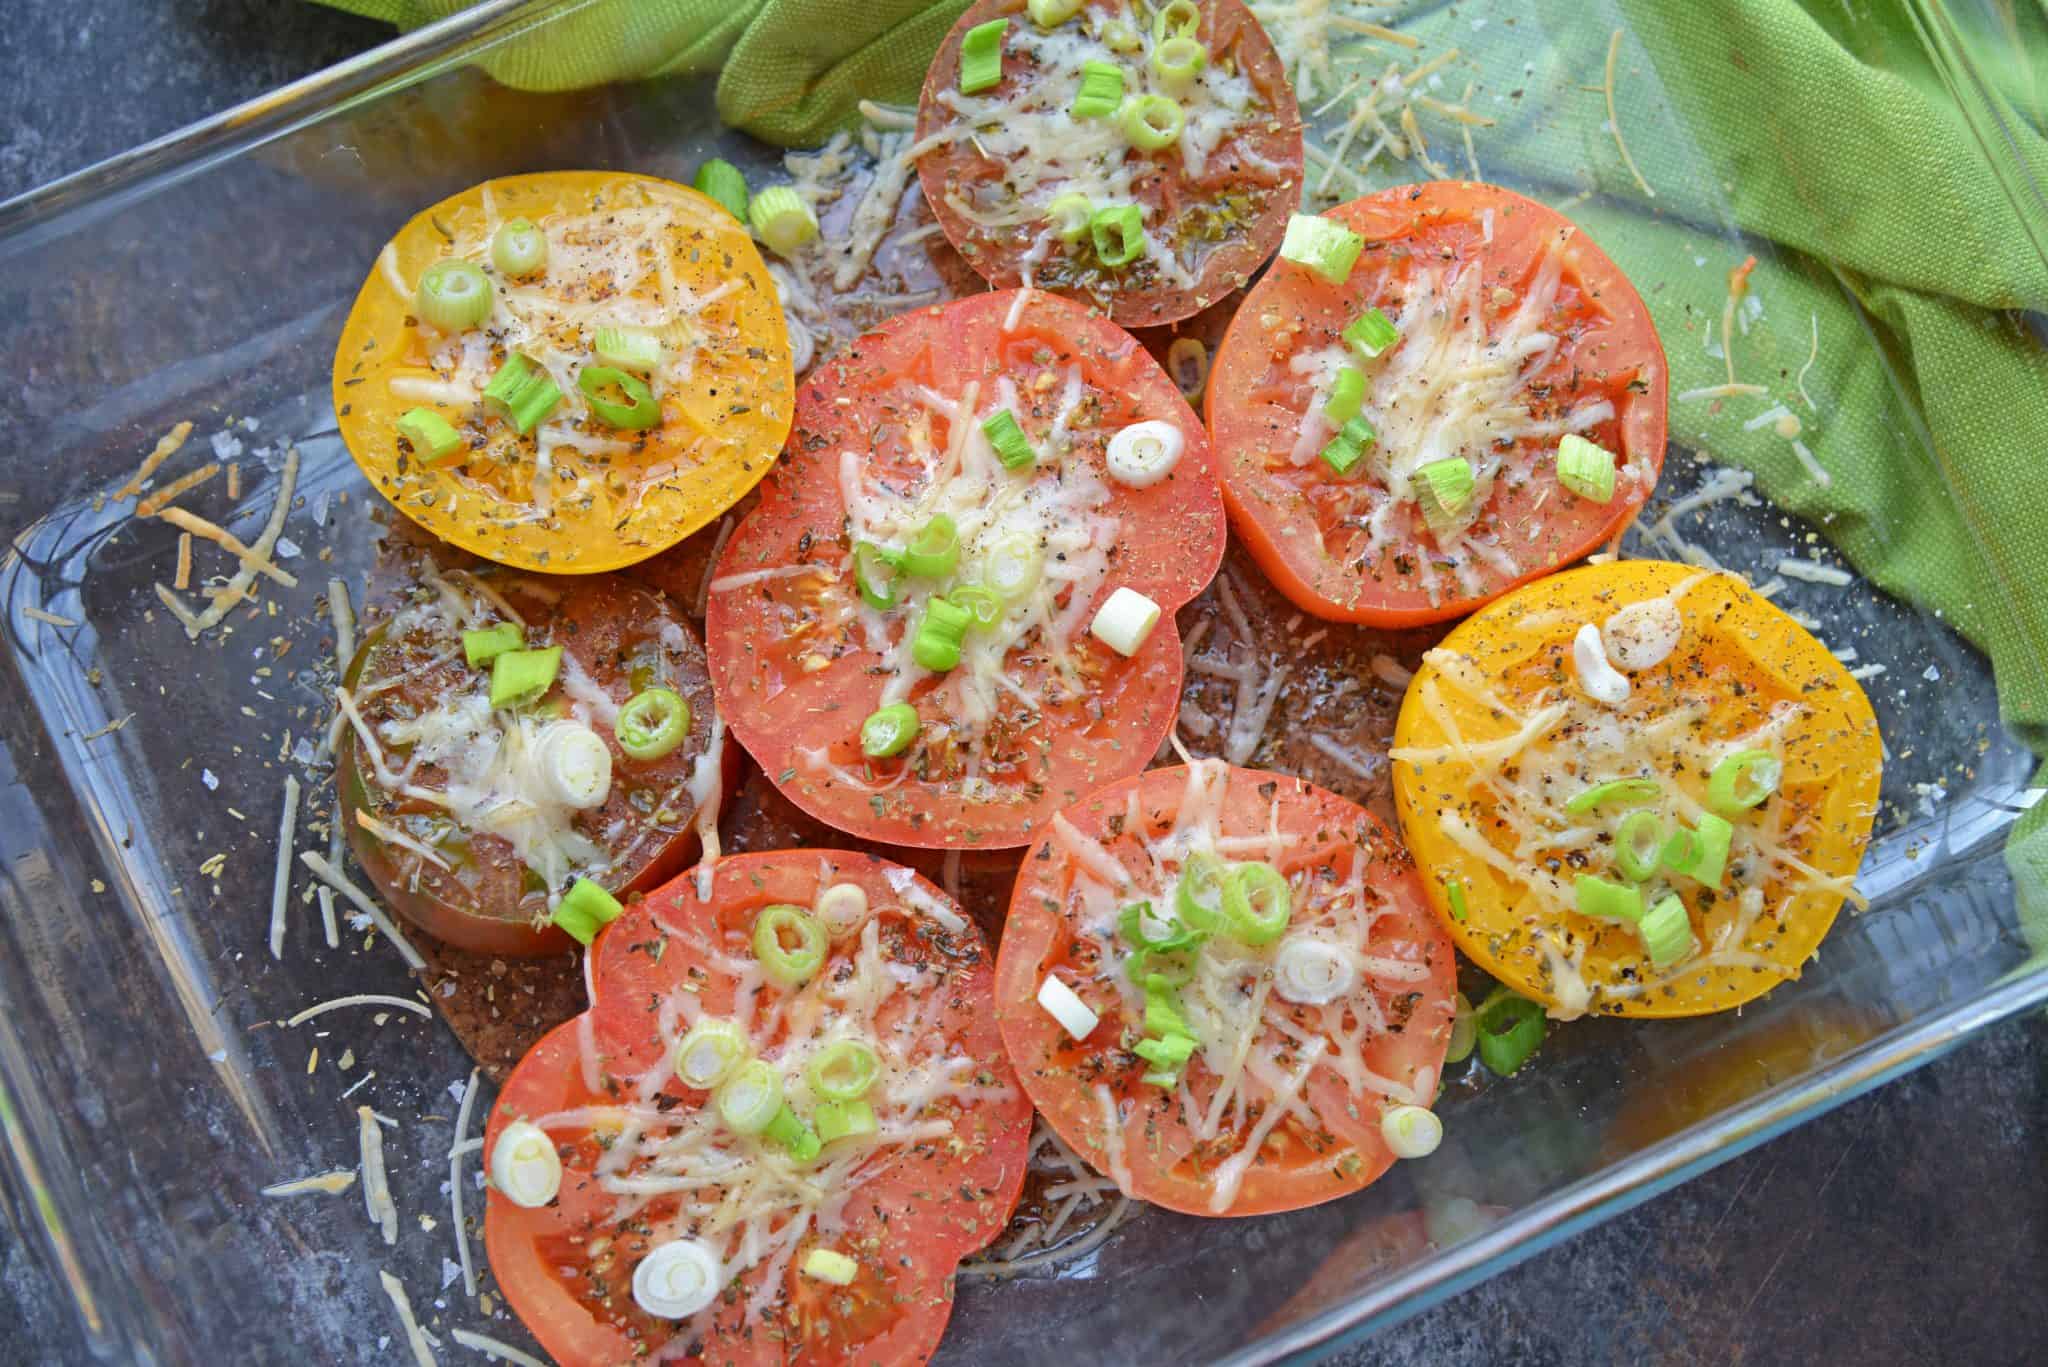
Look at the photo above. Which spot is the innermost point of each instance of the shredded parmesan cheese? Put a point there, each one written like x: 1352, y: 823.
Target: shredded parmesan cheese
x: 376, y: 1188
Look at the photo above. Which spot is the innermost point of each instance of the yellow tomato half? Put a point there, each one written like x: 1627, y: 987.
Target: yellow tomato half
x: 1497, y: 736
x: 576, y: 495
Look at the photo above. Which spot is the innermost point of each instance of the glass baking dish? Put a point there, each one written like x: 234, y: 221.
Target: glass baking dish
x: 148, y: 1085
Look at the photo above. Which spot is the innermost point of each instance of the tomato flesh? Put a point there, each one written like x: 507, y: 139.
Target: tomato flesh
x: 476, y: 892
x: 1222, y: 216
x: 1469, y: 255
x: 574, y: 496
x: 1741, y: 675
x: 795, y: 661
x: 1381, y: 1041
x: 922, y: 1205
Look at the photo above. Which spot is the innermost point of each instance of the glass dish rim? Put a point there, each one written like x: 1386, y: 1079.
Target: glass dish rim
x: 408, y: 59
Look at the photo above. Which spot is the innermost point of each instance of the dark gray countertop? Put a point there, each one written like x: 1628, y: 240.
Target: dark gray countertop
x: 1908, y: 1226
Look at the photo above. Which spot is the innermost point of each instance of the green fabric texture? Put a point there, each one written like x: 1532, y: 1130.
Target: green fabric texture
x: 790, y: 71
x: 1888, y: 162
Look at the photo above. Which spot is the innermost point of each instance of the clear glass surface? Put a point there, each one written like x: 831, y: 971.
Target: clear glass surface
x: 148, y: 1085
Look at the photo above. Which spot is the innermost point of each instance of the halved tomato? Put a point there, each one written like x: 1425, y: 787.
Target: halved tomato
x: 647, y: 1160
x: 1302, y: 1041
x: 1514, y: 331
x: 1213, y: 200
x: 1515, y: 785
x: 576, y: 494
x: 452, y: 815
x: 890, y: 445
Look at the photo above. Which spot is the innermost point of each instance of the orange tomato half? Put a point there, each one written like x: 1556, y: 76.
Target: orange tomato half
x: 576, y: 496
x: 1496, y: 738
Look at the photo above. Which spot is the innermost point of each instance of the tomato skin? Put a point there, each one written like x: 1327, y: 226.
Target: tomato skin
x: 1062, y: 1075
x: 794, y: 679
x: 1738, y: 658
x: 1615, y: 353
x: 1274, y: 141
x: 658, y: 948
x: 719, y: 431
x: 483, y: 905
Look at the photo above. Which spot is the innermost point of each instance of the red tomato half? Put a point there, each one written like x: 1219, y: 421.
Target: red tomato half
x: 1038, y: 712
x: 1298, y: 1122
x: 1514, y: 330
x: 935, y: 1183
x: 1214, y: 201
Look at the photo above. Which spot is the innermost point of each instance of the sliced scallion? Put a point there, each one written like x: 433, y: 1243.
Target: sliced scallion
x: 725, y: 183
x: 641, y: 409
x: 1639, y: 845
x: 981, y: 57
x: 1454, y: 893
x: 1053, y: 13
x: 1011, y: 446
x: 1348, y: 447
x: 1510, y: 1030
x: 838, y: 1120
x: 1585, y: 469
x: 1667, y: 932
x: 782, y: 219
x: 1118, y: 231
x: 1743, y: 780
x: 1464, y: 1032
x: 843, y: 1070
x: 1346, y: 396
x: 1620, y: 792
x: 888, y: 731
x: 653, y: 722
x: 983, y: 605
x: 429, y: 434
x: 522, y: 676
x: 454, y: 295
x: 749, y: 1100
x: 585, y: 909
x: 1013, y: 566
x: 521, y: 393
x: 709, y: 1053
x: 1069, y: 214
x: 790, y: 1130
x: 1256, y: 903
x: 1151, y: 123
x: 637, y: 349
x: 1606, y: 901
x: 1702, y: 852
x: 1370, y: 334
x: 1322, y: 245
x: 1142, y: 928
x: 874, y: 574
x: 790, y: 944
x: 1178, y: 63
x: 1198, y: 896
x: 936, y: 644
x: 1442, y: 490
x: 1176, y: 19
x: 519, y: 248
x: 935, y: 551
x: 486, y: 644
x: 1102, y: 90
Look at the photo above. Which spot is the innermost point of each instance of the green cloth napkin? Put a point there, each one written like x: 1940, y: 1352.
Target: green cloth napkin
x: 790, y: 71
x: 1892, y: 159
